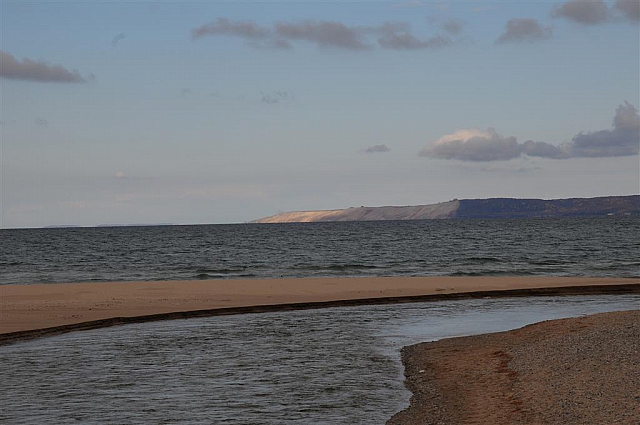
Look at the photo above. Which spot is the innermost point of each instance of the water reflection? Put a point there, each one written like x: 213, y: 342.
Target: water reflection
x: 333, y: 366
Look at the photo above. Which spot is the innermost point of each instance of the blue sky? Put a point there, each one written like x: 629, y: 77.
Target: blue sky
x: 183, y: 112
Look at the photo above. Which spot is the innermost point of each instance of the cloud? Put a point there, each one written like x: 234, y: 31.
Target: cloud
x: 453, y: 26
x: 224, y: 26
x: 398, y: 36
x: 587, y: 12
x: 474, y: 145
x: 524, y: 30
x: 327, y: 34
x: 120, y: 175
x: 275, y: 97
x: 622, y: 140
x: 478, y: 145
x: 41, y: 122
x: 41, y: 71
x: 186, y: 91
x: 115, y: 40
x: 377, y: 149
x: 323, y: 33
x: 543, y: 150
x: 631, y: 8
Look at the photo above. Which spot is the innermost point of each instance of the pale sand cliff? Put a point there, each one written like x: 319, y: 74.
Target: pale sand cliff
x: 417, y: 212
x: 562, y: 372
x: 32, y: 307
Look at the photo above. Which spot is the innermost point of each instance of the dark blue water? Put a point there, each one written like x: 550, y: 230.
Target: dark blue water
x: 550, y: 247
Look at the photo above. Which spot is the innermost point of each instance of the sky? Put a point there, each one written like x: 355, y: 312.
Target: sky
x: 224, y: 112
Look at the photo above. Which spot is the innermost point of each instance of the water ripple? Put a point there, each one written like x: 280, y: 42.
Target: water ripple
x: 329, y: 366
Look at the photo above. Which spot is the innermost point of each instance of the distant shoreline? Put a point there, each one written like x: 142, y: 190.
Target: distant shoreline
x: 34, y: 311
x: 490, y: 208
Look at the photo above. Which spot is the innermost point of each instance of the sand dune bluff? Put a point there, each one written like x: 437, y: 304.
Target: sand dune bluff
x: 418, y: 212
x: 605, y: 206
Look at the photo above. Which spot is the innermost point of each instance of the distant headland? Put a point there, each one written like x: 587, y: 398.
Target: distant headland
x: 473, y: 208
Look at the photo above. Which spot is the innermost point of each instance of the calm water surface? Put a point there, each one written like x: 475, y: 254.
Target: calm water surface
x: 330, y: 366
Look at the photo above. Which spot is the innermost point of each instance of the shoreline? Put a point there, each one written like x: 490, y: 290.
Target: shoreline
x: 40, y: 310
x: 566, y: 371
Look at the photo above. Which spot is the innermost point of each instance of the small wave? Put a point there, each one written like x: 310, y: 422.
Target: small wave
x: 334, y: 267
x: 493, y: 273
x: 206, y: 276
x: 614, y: 266
x: 481, y: 260
x: 220, y: 271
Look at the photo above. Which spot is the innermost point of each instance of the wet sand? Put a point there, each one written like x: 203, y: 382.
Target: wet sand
x: 570, y: 371
x: 28, y: 311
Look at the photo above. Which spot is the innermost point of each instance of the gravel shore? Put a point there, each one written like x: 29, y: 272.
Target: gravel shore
x: 573, y: 371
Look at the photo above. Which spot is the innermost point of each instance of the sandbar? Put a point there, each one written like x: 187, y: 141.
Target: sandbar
x: 33, y: 310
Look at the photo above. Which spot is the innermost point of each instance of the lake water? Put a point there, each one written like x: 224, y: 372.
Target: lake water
x: 548, y: 247
x: 328, y: 366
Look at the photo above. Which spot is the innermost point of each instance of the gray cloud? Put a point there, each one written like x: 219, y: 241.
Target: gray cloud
x: 524, y: 30
x: 326, y: 34
x: 323, y: 33
x: 474, y: 145
x: 377, y: 149
x: 453, y: 26
x: 276, y: 97
x: 622, y: 140
x: 115, y: 40
x: 543, y: 150
x: 224, y: 26
x: 398, y: 36
x: 631, y: 8
x: 587, y: 12
x: 37, y: 71
x: 478, y: 145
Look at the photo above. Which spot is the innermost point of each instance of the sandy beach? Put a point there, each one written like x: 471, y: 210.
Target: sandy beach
x: 570, y: 371
x: 28, y: 311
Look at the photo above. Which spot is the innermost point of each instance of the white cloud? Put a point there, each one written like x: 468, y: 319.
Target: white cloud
x: 478, y: 145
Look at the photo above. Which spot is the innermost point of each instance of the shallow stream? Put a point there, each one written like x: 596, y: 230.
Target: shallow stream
x: 328, y: 366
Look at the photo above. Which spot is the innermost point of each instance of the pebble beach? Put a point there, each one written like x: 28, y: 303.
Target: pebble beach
x: 572, y: 371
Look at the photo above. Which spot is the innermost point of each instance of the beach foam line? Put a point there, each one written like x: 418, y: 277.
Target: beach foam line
x: 35, y: 311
